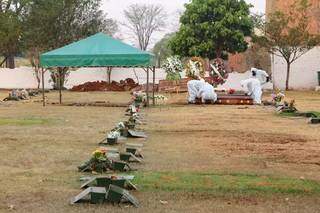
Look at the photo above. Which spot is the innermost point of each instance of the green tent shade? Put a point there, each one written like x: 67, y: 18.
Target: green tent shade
x: 99, y: 50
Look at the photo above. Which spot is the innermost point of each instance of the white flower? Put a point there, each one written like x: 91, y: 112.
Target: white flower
x: 121, y: 125
x: 113, y: 134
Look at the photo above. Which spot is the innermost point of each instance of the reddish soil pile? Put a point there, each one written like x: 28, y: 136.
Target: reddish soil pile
x: 126, y: 85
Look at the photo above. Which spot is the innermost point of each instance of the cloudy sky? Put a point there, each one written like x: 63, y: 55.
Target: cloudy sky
x: 114, y: 9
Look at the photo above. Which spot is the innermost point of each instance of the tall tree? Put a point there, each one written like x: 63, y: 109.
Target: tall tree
x: 212, y: 28
x: 161, y: 49
x: 12, y: 15
x: 54, y: 23
x: 286, y: 34
x: 143, y: 20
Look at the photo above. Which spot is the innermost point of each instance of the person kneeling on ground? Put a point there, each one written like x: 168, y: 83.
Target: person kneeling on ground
x: 194, y: 87
x: 254, y: 89
x: 207, y: 94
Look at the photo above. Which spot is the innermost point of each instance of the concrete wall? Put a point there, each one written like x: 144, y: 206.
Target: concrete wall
x: 24, y: 77
x: 303, y: 71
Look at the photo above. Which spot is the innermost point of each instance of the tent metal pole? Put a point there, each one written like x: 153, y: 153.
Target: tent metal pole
x: 153, y: 85
x: 43, y: 96
x: 147, y: 87
x: 60, y: 93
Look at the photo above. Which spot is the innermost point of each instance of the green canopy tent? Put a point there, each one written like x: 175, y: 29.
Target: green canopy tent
x: 99, y: 50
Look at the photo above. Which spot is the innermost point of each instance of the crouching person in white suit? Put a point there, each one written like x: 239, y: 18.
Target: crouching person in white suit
x: 194, y: 87
x: 207, y: 94
x: 254, y: 89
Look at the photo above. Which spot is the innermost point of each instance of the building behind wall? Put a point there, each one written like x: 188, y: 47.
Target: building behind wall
x: 304, y: 70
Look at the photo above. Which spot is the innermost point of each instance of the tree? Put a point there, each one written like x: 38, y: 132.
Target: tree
x: 161, y: 49
x: 143, y: 20
x: 54, y: 23
x: 12, y: 14
x: 213, y: 28
x: 286, y: 34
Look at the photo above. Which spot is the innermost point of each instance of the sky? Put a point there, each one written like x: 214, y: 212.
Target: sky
x: 114, y: 10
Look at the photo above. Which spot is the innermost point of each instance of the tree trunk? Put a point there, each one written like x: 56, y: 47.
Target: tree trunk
x: 109, y: 70
x: 288, y: 75
x: 218, y: 53
x: 38, y: 78
x: 10, y: 62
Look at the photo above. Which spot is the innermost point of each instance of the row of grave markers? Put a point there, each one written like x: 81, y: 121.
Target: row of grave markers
x: 114, y: 188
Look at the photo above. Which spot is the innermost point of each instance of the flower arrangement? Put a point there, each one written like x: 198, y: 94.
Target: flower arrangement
x: 160, y: 99
x: 113, y: 134
x: 120, y: 126
x: 277, y: 98
x: 231, y: 91
x: 97, y: 163
x: 218, y: 72
x: 139, y: 98
x: 173, y: 66
x: 99, y: 154
x: 195, y: 68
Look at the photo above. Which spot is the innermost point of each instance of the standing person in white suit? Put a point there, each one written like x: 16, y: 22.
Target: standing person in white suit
x: 253, y: 86
x: 261, y: 75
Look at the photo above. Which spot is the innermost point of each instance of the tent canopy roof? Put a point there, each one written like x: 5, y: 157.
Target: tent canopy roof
x: 99, y: 50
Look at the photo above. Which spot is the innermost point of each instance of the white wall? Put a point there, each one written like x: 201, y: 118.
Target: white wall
x: 24, y: 78
x: 303, y: 71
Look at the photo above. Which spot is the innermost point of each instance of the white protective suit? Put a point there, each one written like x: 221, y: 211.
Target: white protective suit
x: 261, y: 75
x: 254, y: 89
x: 206, y: 93
x: 194, y: 87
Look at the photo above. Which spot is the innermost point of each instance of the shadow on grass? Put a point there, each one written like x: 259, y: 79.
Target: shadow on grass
x: 224, y: 183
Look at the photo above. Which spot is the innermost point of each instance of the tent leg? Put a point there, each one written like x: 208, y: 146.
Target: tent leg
x: 43, y: 96
x: 147, y: 87
x: 60, y: 88
x: 153, y: 85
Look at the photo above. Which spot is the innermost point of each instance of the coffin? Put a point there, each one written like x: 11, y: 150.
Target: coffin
x: 234, y: 100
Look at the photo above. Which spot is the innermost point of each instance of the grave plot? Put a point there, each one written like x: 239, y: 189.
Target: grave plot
x: 113, y: 188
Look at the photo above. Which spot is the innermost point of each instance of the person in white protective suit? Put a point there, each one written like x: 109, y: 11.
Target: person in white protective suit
x: 194, y: 87
x: 207, y: 94
x: 254, y: 89
x: 261, y: 75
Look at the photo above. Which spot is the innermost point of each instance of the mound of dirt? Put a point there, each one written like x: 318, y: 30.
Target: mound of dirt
x: 126, y: 85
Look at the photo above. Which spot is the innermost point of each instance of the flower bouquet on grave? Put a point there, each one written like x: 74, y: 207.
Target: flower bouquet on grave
x: 160, y: 99
x: 139, y: 98
x: 231, y: 91
x: 130, y: 124
x: 195, y: 68
x: 277, y: 98
x: 132, y: 109
x: 173, y: 67
x: 218, y: 72
x: 112, y: 137
x: 98, y: 162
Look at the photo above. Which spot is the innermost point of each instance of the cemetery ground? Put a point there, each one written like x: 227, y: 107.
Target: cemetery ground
x: 197, y: 158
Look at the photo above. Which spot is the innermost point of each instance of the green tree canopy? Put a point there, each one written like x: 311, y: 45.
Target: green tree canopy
x: 212, y: 28
x: 54, y: 23
x: 161, y: 49
x: 12, y: 16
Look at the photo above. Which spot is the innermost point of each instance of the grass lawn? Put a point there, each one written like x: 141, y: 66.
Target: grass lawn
x: 197, y: 158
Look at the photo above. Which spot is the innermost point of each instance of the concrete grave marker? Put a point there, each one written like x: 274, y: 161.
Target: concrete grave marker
x: 137, y: 134
x: 97, y: 195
